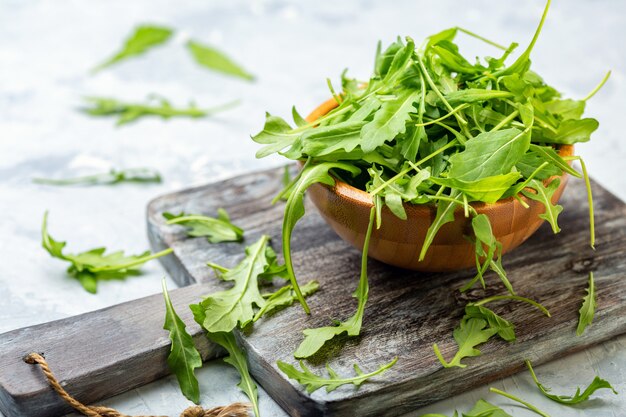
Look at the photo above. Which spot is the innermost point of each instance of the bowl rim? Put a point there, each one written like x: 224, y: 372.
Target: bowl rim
x: 356, y: 195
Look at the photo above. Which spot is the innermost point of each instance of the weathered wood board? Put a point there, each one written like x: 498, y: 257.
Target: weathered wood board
x: 407, y: 311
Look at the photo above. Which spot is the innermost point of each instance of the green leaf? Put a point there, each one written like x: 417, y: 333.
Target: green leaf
x: 473, y: 95
x: 314, y: 339
x: 131, y: 112
x: 298, y: 120
x: 216, y: 60
x: 566, y: 109
x: 284, y: 297
x: 114, y: 176
x: 445, y: 214
x: 491, y: 258
x: 572, y: 131
x: 484, y: 409
x: 183, y: 357
x: 313, y: 382
x: 544, y: 194
x: 325, y: 140
x: 216, y: 230
x: 276, y: 134
x: 488, y: 154
x: 486, y: 189
x: 294, y: 209
x: 93, y: 265
x: 471, y: 333
x: 578, y: 397
x: 389, y: 121
x: 503, y: 327
x: 225, y: 310
x: 143, y: 39
x: 237, y: 358
x: 587, y: 310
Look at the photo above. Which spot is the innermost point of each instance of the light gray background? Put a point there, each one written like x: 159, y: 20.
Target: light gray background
x: 48, y: 47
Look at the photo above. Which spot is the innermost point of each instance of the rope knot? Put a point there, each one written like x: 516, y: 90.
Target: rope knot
x: 232, y: 410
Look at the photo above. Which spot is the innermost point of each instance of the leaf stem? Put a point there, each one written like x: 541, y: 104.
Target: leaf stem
x: 474, y: 35
x: 513, y: 297
x: 519, y: 400
x: 504, y: 121
x: 134, y: 263
x: 598, y: 87
x: 592, y: 228
x: 455, y: 110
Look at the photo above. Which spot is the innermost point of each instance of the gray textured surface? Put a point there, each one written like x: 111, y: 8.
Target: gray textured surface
x: 48, y: 47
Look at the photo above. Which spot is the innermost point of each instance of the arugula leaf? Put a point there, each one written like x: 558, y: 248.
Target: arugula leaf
x: 389, y: 121
x: 445, y: 214
x: 471, y: 333
x: 473, y: 95
x: 130, y: 112
x: 183, y: 357
x: 277, y: 134
x: 326, y: 140
x: 237, y: 358
x: 503, y: 327
x: 114, y: 176
x: 294, y: 209
x: 313, y: 382
x: 572, y: 131
x: 314, y: 339
x: 544, y: 194
x: 488, y: 154
x: 492, y: 257
x: 483, y: 408
x: 215, y: 60
x: 587, y: 310
x: 487, y: 189
x: 578, y: 397
x: 224, y: 310
x: 92, y: 266
x: 144, y: 38
x: 284, y: 297
x: 216, y: 230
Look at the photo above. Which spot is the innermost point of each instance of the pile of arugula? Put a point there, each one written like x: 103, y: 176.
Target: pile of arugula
x: 430, y: 127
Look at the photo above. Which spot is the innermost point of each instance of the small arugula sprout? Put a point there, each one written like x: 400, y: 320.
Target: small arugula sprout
x: 144, y: 38
x: 587, y: 310
x: 478, y: 325
x: 313, y: 382
x: 209, y: 57
x: 578, y: 397
x: 127, y: 112
x: 183, y: 357
x: 216, y: 230
x: 114, y: 176
x: 94, y: 265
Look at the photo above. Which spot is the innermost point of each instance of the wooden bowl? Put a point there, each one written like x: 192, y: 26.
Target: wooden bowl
x: 398, y: 242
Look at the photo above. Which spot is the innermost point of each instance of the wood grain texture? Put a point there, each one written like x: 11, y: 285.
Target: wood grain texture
x: 94, y: 355
x: 408, y: 311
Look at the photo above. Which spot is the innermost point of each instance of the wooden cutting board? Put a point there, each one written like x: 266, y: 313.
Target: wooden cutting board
x: 407, y: 311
